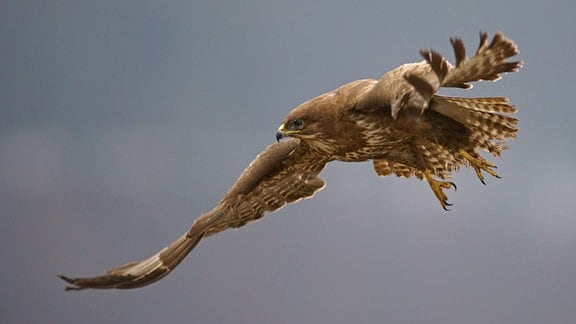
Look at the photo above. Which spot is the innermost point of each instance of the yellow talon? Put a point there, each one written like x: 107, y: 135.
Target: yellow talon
x: 480, y: 164
x: 437, y: 186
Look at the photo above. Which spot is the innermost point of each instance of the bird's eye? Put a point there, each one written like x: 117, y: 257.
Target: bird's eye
x: 297, y: 123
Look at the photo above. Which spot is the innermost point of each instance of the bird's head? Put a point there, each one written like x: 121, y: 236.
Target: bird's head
x: 308, y: 122
x: 295, y: 127
x: 322, y: 121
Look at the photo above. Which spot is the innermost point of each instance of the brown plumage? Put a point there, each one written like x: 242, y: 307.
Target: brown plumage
x: 398, y: 122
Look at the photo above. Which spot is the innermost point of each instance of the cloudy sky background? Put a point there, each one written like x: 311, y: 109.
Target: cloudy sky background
x: 122, y: 121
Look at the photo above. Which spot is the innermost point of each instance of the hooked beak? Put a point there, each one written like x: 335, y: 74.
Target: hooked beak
x: 281, y: 133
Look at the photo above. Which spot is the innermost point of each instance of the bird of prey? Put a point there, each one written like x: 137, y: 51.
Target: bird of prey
x: 398, y: 122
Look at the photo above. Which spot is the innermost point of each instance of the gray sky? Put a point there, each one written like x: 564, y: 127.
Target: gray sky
x: 122, y: 121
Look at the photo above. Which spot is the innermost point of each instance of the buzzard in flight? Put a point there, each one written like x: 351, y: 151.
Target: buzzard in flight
x: 398, y: 122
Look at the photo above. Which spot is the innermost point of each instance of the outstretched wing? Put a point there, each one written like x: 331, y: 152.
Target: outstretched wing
x: 487, y: 64
x: 410, y: 87
x: 284, y: 172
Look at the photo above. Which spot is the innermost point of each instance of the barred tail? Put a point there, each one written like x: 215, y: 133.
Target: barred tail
x: 488, y: 119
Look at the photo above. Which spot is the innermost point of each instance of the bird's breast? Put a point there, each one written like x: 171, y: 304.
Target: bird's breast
x: 370, y: 138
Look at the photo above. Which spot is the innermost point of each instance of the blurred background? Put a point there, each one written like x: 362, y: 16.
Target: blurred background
x: 122, y: 121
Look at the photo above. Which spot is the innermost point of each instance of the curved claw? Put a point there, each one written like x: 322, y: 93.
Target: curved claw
x: 445, y: 205
x: 479, y: 164
x: 437, y: 187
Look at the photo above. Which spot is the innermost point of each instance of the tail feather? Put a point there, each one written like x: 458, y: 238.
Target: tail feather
x: 487, y: 119
x: 488, y: 104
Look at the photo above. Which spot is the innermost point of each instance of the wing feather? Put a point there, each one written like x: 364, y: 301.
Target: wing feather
x: 410, y: 87
x: 284, y: 172
x: 487, y: 64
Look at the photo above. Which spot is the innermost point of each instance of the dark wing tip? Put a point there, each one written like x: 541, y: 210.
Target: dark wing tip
x: 437, y: 62
x: 141, y: 273
x: 459, y: 50
x: 484, y: 39
x: 424, y: 88
x: 110, y: 281
x: 72, y: 282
